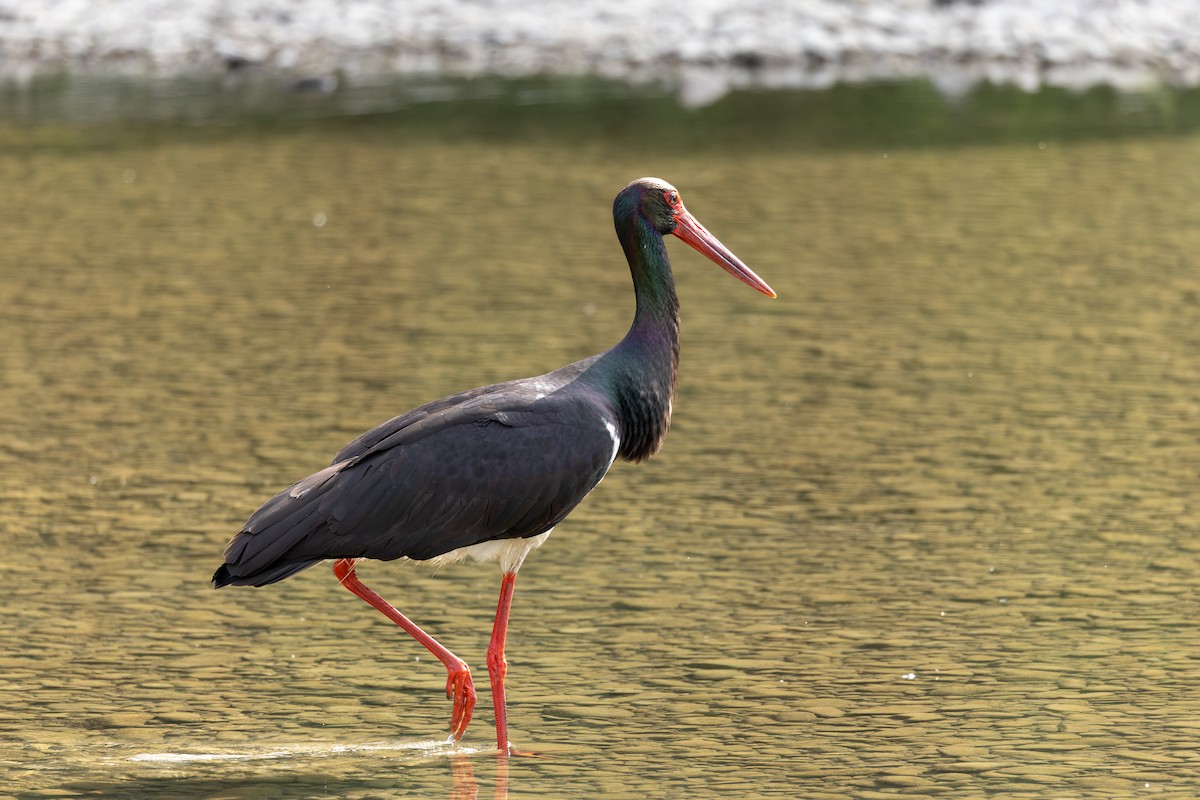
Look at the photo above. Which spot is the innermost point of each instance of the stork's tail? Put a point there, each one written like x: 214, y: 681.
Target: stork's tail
x: 269, y: 547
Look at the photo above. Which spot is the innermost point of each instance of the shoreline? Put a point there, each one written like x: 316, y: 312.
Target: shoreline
x: 717, y: 47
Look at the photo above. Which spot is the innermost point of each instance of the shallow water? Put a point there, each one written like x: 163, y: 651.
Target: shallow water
x: 924, y: 525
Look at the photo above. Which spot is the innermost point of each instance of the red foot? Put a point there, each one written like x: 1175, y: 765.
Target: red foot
x: 461, y: 689
x: 512, y: 751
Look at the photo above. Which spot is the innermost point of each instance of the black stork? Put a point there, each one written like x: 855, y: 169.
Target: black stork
x: 489, y: 472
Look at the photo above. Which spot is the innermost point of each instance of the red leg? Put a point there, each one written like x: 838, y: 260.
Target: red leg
x: 497, y: 666
x: 459, y: 686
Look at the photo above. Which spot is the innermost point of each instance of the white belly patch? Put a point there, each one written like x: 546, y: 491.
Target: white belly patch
x: 510, y: 553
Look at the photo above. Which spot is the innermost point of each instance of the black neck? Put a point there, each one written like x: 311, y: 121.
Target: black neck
x: 646, y: 362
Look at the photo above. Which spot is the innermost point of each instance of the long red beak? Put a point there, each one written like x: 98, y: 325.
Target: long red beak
x: 691, y: 231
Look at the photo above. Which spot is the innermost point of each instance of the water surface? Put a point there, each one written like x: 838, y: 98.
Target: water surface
x: 924, y: 525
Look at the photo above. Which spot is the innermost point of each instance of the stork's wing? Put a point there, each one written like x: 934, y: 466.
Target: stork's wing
x: 494, y: 466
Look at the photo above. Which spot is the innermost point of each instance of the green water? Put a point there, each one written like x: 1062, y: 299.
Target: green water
x: 924, y: 525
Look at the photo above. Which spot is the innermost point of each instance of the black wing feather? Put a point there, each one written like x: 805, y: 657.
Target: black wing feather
x: 487, y: 464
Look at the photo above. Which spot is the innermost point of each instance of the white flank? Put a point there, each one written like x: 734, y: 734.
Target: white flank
x: 509, y: 552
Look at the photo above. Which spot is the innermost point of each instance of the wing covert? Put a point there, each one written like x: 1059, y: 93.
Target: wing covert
x: 481, y: 470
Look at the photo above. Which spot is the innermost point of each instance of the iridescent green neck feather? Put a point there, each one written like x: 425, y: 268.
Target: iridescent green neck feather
x: 642, y: 369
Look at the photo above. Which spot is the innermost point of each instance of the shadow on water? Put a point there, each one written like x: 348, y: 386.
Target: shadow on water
x: 466, y: 777
x: 187, y: 788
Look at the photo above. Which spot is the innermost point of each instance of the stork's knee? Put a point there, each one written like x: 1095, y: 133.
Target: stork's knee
x: 497, y: 664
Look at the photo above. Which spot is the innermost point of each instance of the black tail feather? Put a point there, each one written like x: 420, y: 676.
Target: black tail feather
x: 274, y: 541
x: 223, y: 577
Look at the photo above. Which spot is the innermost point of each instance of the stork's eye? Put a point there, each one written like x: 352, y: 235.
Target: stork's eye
x: 672, y: 199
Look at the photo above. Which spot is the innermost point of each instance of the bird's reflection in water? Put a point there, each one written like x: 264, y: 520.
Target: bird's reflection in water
x: 465, y: 785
